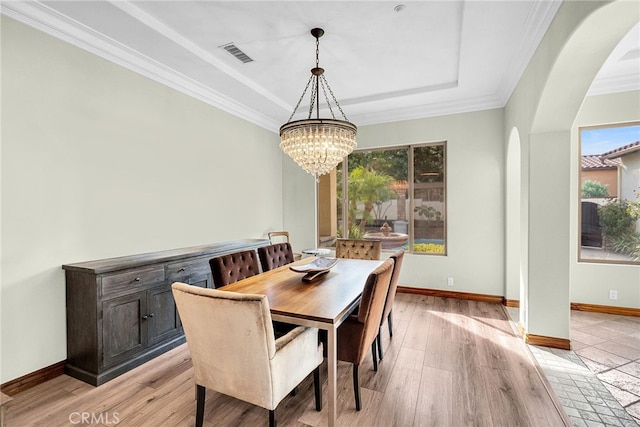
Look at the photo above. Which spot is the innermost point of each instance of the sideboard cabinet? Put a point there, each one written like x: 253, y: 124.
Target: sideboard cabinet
x: 121, y: 312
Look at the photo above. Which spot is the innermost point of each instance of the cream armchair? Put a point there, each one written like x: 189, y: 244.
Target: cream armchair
x: 234, y: 352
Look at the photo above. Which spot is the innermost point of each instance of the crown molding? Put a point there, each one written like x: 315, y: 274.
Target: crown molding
x: 466, y: 105
x: 49, y: 21
x: 538, y: 21
x: 168, y: 32
x: 606, y: 85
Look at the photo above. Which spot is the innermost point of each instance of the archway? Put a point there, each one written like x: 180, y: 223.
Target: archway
x: 583, y: 37
x: 513, y: 200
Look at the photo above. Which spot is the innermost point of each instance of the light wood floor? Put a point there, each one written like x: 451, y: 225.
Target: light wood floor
x: 450, y: 363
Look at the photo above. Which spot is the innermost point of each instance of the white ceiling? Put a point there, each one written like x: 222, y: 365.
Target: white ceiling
x: 432, y: 58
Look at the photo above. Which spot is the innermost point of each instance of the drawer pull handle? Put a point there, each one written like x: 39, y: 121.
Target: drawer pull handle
x: 145, y: 317
x: 151, y: 315
x: 137, y: 279
x: 182, y: 269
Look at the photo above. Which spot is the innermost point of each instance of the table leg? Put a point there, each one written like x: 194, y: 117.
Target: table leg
x: 332, y: 366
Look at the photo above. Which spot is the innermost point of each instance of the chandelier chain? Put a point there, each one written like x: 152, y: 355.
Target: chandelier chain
x: 334, y: 99
x: 301, y: 98
x: 314, y: 94
x: 323, y: 82
x: 316, y: 144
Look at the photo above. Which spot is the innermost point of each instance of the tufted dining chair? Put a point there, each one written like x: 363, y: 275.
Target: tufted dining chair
x: 358, y: 249
x: 230, y: 268
x: 257, y: 369
x: 397, y: 257
x: 359, y: 331
x: 227, y: 269
x: 274, y: 256
x: 282, y: 237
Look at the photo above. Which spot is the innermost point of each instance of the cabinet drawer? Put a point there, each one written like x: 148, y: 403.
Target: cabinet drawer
x: 132, y: 280
x: 193, y: 267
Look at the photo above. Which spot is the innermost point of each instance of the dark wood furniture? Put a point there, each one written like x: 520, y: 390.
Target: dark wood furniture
x: 120, y: 311
x: 324, y: 303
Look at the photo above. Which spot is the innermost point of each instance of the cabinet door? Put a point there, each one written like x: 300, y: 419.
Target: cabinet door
x: 202, y: 280
x: 124, y: 332
x: 162, y: 317
x: 192, y: 271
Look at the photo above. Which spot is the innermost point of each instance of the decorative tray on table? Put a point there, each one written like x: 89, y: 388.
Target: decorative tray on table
x: 315, y: 268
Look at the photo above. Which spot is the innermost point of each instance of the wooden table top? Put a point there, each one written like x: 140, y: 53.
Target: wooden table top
x: 326, y: 299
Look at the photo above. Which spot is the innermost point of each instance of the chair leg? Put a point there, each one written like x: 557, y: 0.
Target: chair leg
x: 200, y: 394
x: 272, y: 418
x: 374, y: 352
x: 317, y: 386
x: 356, y: 387
x: 379, y: 339
x: 390, y: 323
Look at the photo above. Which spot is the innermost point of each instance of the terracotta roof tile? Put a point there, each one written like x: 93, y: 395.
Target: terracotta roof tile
x: 598, y: 162
x: 621, y: 151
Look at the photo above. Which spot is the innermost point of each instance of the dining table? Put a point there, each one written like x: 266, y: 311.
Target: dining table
x: 324, y: 302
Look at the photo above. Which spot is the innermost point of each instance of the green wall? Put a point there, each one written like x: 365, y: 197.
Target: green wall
x: 98, y: 161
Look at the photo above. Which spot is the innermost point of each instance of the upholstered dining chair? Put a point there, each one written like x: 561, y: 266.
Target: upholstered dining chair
x: 358, y: 249
x: 227, y: 269
x: 359, y: 331
x: 257, y: 368
x: 397, y: 257
x: 282, y: 237
x: 274, y: 256
x: 230, y: 268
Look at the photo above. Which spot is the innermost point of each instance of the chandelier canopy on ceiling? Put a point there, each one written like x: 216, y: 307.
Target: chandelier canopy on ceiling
x: 318, y: 144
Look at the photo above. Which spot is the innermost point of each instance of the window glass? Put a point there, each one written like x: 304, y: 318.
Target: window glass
x: 377, y: 200
x: 371, y: 200
x: 610, y: 193
x: 429, y: 199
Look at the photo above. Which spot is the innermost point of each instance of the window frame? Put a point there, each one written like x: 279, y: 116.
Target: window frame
x: 581, y: 258
x: 410, y: 191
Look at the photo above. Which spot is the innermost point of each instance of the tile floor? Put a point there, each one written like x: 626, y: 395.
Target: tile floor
x: 598, y: 380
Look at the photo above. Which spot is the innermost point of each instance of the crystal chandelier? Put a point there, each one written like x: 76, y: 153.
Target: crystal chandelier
x: 316, y: 144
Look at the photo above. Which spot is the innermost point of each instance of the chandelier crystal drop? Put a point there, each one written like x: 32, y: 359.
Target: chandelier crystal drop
x: 317, y: 145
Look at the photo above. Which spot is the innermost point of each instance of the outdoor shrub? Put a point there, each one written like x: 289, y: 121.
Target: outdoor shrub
x: 431, y: 248
x: 618, y: 217
x: 594, y: 189
x: 628, y: 244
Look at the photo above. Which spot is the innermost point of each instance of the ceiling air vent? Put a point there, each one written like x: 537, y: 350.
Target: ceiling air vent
x: 237, y: 53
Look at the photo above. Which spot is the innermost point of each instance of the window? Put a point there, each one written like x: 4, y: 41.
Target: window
x: 610, y: 193
x: 377, y: 200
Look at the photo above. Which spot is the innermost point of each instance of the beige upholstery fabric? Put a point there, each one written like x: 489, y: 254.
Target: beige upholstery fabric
x: 231, y: 341
x: 358, y: 331
x: 397, y: 256
x: 358, y: 249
